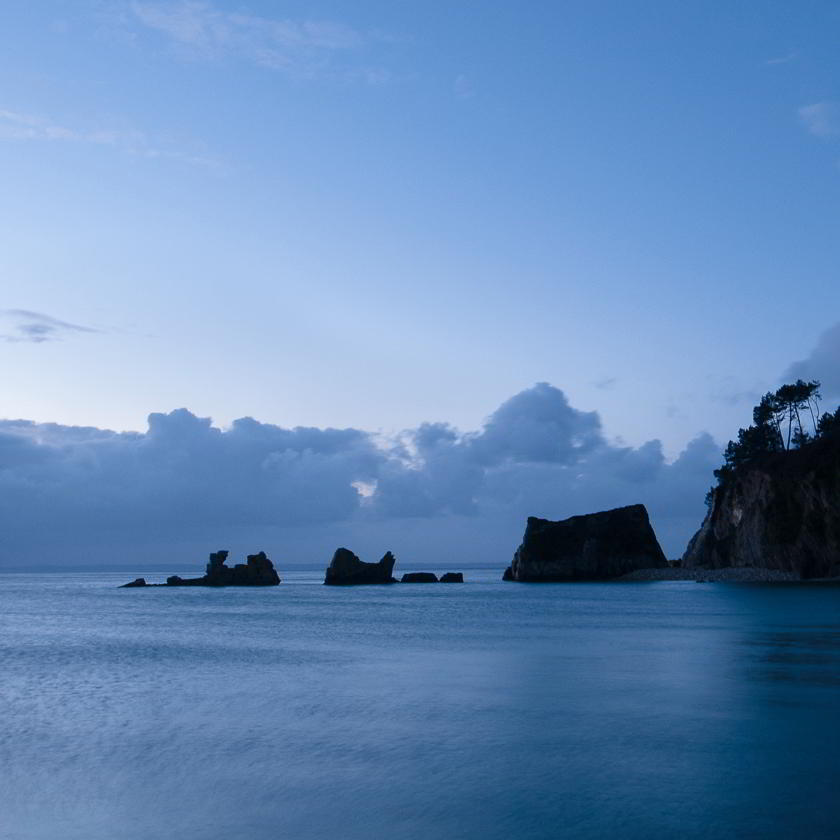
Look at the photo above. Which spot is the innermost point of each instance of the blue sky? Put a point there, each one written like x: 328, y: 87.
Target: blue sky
x: 376, y: 214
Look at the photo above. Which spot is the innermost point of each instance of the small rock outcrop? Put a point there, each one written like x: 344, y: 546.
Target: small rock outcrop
x: 596, y: 546
x: 419, y: 577
x: 452, y: 577
x: 781, y: 512
x: 135, y: 582
x: 346, y: 569
x: 258, y: 571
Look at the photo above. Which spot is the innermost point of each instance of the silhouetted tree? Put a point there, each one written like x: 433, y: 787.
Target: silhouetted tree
x: 829, y: 424
x: 767, y: 413
x: 789, y: 400
x: 777, y: 422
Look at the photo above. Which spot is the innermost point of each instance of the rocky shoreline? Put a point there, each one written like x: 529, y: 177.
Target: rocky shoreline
x: 617, y: 545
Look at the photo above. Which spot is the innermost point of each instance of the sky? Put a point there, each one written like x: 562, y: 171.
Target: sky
x: 530, y: 259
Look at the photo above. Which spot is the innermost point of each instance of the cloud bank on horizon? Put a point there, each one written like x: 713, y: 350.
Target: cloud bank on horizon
x: 77, y: 494
x: 100, y: 494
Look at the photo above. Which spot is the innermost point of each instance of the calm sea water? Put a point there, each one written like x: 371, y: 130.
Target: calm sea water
x: 487, y: 710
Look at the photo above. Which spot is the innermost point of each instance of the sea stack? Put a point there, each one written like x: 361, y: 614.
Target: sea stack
x: 346, y: 569
x: 257, y: 571
x: 596, y: 546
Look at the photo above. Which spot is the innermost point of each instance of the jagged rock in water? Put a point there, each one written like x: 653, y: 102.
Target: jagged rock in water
x: 346, y: 569
x: 258, y: 571
x: 419, y: 577
x: 597, y: 546
x: 135, y: 582
x: 781, y: 512
x: 452, y: 577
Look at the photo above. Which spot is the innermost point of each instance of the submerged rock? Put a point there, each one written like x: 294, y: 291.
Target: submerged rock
x: 452, y: 577
x: 597, y: 546
x: 257, y: 571
x: 781, y: 512
x: 346, y: 569
x: 419, y: 577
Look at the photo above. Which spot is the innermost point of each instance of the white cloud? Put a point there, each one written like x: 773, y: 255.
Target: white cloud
x: 822, y: 119
x: 16, y: 125
x: 783, y: 59
x: 306, y: 48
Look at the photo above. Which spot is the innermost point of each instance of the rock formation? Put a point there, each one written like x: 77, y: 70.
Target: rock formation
x: 419, y: 577
x: 135, y: 582
x: 346, y: 569
x: 452, y: 577
x: 781, y: 512
x: 597, y: 546
x: 258, y: 571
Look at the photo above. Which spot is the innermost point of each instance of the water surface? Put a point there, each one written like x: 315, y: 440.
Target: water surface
x: 483, y: 710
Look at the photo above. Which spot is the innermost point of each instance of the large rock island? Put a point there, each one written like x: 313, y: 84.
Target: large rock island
x: 597, y: 546
x: 258, y: 571
x: 346, y: 569
x: 780, y: 511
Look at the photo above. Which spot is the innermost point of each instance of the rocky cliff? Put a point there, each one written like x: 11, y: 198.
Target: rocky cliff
x: 781, y: 512
x: 597, y: 546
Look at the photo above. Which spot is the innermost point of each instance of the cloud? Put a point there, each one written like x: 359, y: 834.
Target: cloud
x: 822, y: 119
x: 304, y: 48
x: 606, y: 384
x: 35, y: 327
x: 823, y: 363
x: 15, y: 125
x: 432, y: 491
x: 783, y: 59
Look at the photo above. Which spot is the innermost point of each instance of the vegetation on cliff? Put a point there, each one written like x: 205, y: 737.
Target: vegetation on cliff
x: 780, y: 424
x: 776, y: 505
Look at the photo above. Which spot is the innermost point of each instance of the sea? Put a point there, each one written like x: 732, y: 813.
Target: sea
x: 477, y: 710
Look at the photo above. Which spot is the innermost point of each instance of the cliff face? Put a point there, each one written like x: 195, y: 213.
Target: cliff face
x: 598, y: 546
x: 783, y: 512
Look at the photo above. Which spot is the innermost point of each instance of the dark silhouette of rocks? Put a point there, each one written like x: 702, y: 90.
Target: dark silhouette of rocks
x: 346, y: 569
x: 135, y: 582
x: 258, y: 571
x: 779, y: 512
x: 452, y: 577
x: 597, y: 546
x: 419, y: 577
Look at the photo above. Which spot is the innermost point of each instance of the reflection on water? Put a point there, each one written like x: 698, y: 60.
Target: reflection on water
x: 802, y: 656
x: 487, y: 710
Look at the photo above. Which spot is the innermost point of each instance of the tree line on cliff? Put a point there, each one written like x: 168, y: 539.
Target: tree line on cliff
x: 780, y: 423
